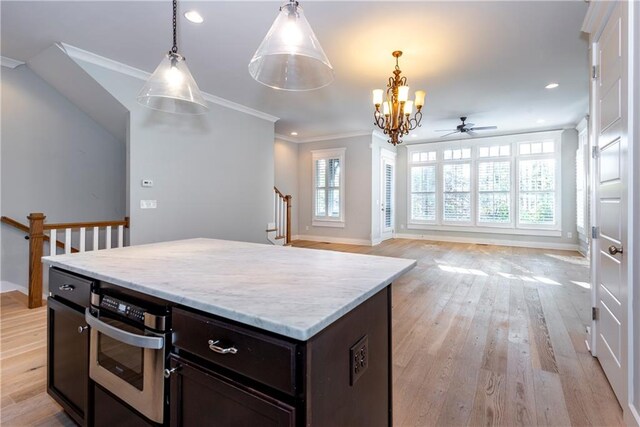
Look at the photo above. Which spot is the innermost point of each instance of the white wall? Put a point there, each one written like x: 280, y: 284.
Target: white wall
x: 569, y: 144
x: 286, y: 176
x: 357, y: 193
x: 56, y: 160
x: 213, y: 174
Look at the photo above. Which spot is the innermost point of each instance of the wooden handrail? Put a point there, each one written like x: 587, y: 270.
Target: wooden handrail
x: 22, y: 227
x: 12, y: 222
x: 279, y: 192
x: 98, y: 224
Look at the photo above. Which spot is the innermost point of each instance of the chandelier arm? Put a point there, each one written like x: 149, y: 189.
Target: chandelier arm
x: 378, y: 119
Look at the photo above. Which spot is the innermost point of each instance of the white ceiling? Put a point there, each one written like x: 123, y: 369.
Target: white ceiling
x: 486, y: 60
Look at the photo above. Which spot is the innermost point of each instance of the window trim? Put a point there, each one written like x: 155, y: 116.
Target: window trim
x: 514, y: 227
x: 326, y: 221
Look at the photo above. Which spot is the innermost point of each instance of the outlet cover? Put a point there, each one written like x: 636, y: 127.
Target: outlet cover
x: 569, y: 235
x: 359, y: 359
x: 148, y: 204
x: 147, y: 183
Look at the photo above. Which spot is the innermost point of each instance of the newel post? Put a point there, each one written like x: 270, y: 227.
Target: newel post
x: 288, y: 201
x: 36, y: 243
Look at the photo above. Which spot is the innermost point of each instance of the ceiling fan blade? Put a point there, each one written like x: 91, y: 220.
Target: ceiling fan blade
x: 469, y: 125
x: 446, y: 130
x: 471, y: 133
x: 484, y: 128
x: 451, y: 133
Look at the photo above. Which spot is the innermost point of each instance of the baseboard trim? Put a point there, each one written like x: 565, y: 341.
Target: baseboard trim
x: 489, y: 241
x: 6, y: 286
x: 327, y: 239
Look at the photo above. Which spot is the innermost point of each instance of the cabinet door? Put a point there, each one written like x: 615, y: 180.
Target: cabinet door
x: 68, y: 358
x: 200, y: 397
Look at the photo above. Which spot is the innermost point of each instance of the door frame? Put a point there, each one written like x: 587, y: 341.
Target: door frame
x: 595, y: 20
x: 387, y: 157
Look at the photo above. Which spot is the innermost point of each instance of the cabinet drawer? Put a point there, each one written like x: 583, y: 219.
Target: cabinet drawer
x: 260, y: 357
x: 70, y: 287
x: 202, y: 398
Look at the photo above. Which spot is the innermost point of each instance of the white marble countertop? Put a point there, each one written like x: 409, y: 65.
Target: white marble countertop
x: 293, y: 292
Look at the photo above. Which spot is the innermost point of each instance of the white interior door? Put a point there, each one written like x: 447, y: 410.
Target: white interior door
x: 611, y: 204
x: 387, y: 206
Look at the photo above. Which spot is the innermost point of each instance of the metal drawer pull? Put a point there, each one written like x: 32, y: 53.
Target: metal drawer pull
x: 81, y: 329
x: 66, y: 287
x: 214, y: 347
x: 168, y: 372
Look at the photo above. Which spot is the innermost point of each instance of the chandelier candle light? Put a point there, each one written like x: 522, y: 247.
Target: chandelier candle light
x: 395, y: 118
x: 171, y: 87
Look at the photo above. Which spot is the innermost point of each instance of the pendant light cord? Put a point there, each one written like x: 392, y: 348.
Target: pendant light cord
x: 174, y: 49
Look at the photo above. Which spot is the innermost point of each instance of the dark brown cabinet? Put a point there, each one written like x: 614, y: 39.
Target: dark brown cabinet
x: 68, y: 355
x: 227, y: 374
x: 200, y: 397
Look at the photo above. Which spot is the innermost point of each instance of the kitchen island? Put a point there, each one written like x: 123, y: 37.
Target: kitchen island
x: 251, y: 334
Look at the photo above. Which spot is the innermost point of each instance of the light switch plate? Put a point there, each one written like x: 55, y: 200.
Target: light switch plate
x: 148, y: 204
x: 147, y: 183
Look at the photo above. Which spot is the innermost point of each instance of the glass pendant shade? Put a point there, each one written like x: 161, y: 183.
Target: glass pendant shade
x: 290, y: 56
x: 171, y: 88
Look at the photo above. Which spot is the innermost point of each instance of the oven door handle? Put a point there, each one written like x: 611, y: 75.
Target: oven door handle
x: 135, y: 340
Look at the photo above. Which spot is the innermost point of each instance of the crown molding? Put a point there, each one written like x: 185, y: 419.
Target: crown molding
x: 9, y: 62
x: 324, y: 137
x: 110, y: 64
x: 286, y: 138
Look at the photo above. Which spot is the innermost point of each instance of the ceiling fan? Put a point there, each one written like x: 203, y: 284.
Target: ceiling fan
x: 468, y: 128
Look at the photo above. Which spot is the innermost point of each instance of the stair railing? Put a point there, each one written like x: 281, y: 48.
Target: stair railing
x: 37, y: 230
x: 282, y: 216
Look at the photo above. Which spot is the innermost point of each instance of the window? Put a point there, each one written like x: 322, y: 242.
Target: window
x: 494, y: 151
x: 328, y: 187
x: 506, y: 184
x: 537, y: 191
x: 423, y: 193
x: 456, y: 192
x: 494, y: 192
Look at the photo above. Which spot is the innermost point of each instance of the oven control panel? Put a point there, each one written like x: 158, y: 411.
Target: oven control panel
x: 122, y: 308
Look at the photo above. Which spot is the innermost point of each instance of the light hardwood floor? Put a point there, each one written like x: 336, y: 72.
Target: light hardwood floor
x: 483, y: 335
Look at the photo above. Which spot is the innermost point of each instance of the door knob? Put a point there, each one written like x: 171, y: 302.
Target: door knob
x: 613, y: 250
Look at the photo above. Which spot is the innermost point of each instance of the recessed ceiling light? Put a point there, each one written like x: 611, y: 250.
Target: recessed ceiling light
x: 540, y: 121
x: 551, y: 86
x: 194, y: 17
x: 294, y: 133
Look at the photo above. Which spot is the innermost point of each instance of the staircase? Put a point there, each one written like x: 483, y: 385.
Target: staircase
x: 38, y: 232
x: 279, y: 232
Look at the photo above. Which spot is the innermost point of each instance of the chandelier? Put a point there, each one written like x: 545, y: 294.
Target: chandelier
x: 395, y: 118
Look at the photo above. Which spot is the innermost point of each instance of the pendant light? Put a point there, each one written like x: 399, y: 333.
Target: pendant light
x: 171, y: 87
x: 290, y: 56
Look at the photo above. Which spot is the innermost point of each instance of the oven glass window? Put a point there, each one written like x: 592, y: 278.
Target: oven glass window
x: 122, y: 360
